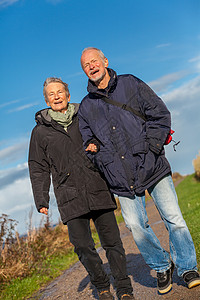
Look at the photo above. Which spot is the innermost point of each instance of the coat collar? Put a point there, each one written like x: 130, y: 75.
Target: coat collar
x: 43, y: 117
x: 93, y: 89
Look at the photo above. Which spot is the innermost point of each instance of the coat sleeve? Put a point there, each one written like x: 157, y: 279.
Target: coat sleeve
x: 84, y: 127
x: 39, y: 171
x: 87, y: 134
x: 158, y: 119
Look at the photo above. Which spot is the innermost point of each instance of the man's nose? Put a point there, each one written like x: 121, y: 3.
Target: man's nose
x: 56, y: 96
x: 92, y: 65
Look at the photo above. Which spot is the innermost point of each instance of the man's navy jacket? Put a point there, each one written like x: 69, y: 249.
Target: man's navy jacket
x: 130, y: 150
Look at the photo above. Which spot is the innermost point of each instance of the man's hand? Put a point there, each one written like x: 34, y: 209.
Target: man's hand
x: 44, y: 210
x: 91, y: 147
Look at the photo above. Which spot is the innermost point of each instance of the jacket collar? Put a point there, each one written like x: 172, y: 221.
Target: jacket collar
x: 93, y: 89
x: 42, y: 116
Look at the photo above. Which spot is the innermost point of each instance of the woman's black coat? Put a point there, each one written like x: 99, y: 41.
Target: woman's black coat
x: 78, y: 186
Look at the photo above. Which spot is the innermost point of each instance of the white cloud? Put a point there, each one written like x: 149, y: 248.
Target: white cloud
x: 23, y: 107
x: 194, y: 59
x: 188, y: 91
x: 4, y: 3
x: 16, y: 199
x: 163, y: 45
x: 9, y: 103
x: 164, y: 81
x: 75, y: 75
x: 13, y: 153
x: 167, y: 81
x: 9, y: 176
x: 184, y: 105
x: 15, y: 194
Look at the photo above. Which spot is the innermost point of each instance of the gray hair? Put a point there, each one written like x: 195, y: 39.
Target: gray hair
x: 101, y: 54
x: 54, y: 79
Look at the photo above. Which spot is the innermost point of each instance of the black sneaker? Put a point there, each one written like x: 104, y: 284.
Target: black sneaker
x: 127, y: 297
x: 164, y: 280
x: 105, y: 295
x: 191, y: 278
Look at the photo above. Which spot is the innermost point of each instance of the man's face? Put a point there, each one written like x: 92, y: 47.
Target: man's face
x: 93, y: 65
x: 56, y: 97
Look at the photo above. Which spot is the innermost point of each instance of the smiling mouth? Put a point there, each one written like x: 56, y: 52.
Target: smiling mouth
x: 94, y: 72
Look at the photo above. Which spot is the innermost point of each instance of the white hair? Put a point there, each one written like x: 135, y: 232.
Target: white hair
x: 54, y: 79
x: 101, y: 54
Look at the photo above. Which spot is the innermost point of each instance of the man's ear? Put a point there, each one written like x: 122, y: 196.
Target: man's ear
x: 47, y: 102
x: 106, y: 62
x: 69, y: 98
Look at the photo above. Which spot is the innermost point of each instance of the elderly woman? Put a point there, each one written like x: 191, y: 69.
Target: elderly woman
x: 81, y: 193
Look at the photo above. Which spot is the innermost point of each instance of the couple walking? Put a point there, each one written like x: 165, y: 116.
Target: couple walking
x: 112, y: 144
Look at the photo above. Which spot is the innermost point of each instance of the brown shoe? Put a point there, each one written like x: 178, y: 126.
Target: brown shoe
x: 105, y: 295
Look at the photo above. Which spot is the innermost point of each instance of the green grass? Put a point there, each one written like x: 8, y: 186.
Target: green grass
x: 50, y: 269
x: 188, y: 192
x: 189, y: 200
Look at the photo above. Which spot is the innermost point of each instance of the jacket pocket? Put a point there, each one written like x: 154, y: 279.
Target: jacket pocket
x: 139, y: 154
x: 62, y: 179
x: 107, y: 159
x: 97, y: 184
x: 71, y: 194
x: 140, y: 147
x: 65, y: 195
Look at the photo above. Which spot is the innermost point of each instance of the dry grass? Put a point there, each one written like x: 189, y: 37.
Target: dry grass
x: 196, y: 165
x: 20, y: 256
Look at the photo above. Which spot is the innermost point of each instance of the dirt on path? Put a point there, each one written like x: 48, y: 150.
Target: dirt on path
x: 75, y: 284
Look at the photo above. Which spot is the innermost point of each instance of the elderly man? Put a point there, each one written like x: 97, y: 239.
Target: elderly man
x: 81, y: 193
x: 124, y: 125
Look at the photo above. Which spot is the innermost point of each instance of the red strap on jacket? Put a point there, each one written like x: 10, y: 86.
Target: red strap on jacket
x: 169, y: 137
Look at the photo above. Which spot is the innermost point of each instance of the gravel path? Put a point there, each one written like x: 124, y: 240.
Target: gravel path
x: 74, y: 283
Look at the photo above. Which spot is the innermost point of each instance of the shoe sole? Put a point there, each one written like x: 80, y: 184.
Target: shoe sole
x: 165, y: 291
x: 194, y: 283
x: 169, y: 287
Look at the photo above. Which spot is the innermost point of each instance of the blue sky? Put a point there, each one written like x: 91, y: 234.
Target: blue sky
x: 157, y: 41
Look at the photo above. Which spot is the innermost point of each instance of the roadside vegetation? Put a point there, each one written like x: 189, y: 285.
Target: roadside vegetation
x: 188, y: 192
x: 196, y: 165
x: 28, y: 263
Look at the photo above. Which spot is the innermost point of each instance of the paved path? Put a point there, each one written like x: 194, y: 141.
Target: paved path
x: 75, y: 284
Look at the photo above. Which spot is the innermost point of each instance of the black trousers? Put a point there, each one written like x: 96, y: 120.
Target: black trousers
x: 108, y: 231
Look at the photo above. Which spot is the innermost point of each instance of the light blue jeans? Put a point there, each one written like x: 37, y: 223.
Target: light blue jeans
x: 181, y: 245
